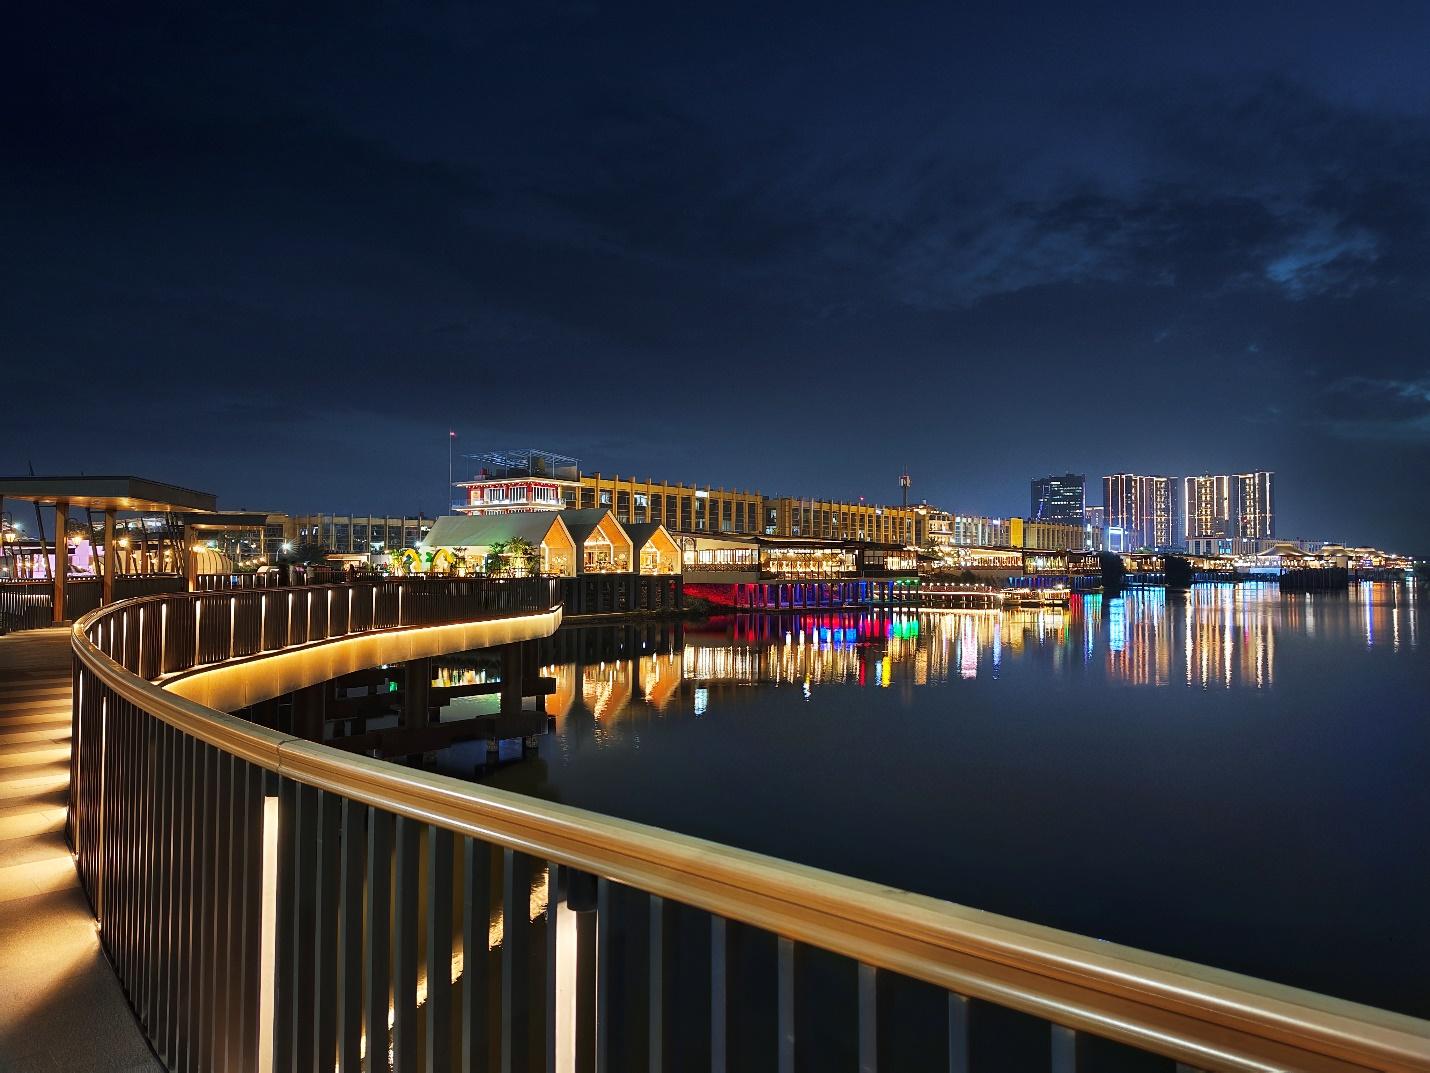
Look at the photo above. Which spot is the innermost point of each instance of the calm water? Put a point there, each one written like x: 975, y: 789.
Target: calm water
x: 1229, y: 776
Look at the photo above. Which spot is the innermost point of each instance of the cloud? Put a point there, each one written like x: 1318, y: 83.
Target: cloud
x: 1367, y: 408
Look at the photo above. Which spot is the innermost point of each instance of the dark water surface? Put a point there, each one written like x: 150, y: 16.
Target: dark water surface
x: 1229, y: 776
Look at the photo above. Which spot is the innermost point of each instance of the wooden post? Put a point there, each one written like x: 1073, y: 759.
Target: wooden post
x: 511, y: 676
x: 62, y: 558
x: 416, y: 693
x: 310, y: 711
x: 191, y: 560
x: 108, y: 582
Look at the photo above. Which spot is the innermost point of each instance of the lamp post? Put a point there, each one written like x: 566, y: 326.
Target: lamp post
x: 451, y: 442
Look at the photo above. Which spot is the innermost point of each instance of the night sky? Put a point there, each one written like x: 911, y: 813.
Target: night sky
x: 799, y: 248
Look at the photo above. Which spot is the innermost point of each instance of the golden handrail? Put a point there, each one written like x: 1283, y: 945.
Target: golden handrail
x: 1204, y: 1017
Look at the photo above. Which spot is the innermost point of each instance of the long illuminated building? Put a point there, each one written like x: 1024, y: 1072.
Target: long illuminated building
x: 528, y: 480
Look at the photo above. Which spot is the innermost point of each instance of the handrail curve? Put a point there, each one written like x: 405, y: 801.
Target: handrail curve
x: 1207, y: 1018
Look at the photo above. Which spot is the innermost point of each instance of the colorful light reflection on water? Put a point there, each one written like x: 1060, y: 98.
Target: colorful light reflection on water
x: 1226, y: 775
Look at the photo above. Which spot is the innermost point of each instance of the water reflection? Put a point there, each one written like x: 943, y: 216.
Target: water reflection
x: 1091, y: 768
x: 1214, y: 637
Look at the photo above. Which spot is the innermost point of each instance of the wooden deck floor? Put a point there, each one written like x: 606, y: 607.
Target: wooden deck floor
x: 61, y: 1008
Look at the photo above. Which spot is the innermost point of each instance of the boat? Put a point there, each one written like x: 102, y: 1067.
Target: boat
x: 1021, y: 599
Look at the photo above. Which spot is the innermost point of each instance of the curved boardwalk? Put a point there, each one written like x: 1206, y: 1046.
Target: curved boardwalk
x: 60, y: 1005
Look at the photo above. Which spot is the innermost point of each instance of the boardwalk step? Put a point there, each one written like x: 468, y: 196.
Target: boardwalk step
x: 29, y: 756
x: 15, y: 692
x: 48, y: 707
x: 56, y: 732
x: 36, y: 719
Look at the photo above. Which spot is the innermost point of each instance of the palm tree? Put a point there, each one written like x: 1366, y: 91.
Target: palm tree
x: 496, y: 558
x: 526, y: 553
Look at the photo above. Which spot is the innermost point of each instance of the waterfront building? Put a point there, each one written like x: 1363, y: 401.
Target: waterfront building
x: 1047, y: 536
x: 508, y: 482
x: 939, y: 526
x: 461, y: 543
x: 606, y: 547
x: 1059, y: 499
x: 1145, y: 507
x: 978, y: 531
x: 826, y: 519
x: 679, y: 507
x: 345, y: 534
x: 730, y: 559
x: 529, y: 480
x: 656, y: 550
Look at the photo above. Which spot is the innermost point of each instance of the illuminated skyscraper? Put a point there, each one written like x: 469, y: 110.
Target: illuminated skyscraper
x: 1255, y: 505
x: 1059, y: 499
x: 1144, y: 507
x: 1206, y: 507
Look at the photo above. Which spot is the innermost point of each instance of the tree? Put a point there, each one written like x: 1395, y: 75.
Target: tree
x: 308, y: 553
x: 513, y: 558
x: 496, y: 558
x: 527, y: 554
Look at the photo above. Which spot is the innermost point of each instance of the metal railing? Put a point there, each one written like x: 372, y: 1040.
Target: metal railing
x: 270, y: 903
x: 28, y: 604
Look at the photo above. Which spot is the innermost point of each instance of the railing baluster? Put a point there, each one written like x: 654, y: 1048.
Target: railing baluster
x: 158, y: 879
x: 1064, y: 1049
x: 439, y: 950
x: 581, y: 900
x: 868, y: 1019
x: 605, y: 985
x: 476, y: 922
x: 661, y: 932
x: 957, y: 1034
x: 325, y: 953
x: 554, y: 882
x: 169, y: 963
x: 378, y: 976
x: 515, y: 950
x: 350, y: 944
x: 719, y: 993
x: 786, y: 1004
x: 404, y: 947
x: 221, y: 963
x: 251, y: 963
x: 207, y: 897
x: 285, y: 945
x: 189, y: 953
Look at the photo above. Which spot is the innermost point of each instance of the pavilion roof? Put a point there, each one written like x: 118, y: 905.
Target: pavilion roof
x: 582, y: 523
x: 107, y: 493
x: 482, y: 531
x: 641, y: 533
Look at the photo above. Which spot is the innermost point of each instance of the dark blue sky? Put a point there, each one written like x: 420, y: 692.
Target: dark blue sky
x: 788, y: 247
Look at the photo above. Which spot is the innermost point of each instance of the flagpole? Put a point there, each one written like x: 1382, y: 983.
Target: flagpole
x: 451, y: 439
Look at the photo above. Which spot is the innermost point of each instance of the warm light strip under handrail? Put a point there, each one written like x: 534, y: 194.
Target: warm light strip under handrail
x: 1207, y: 1018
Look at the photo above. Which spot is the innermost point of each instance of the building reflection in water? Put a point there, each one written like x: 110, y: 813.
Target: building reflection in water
x: 1213, y: 637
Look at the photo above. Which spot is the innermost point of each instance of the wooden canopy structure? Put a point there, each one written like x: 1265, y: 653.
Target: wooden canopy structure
x: 197, y: 512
